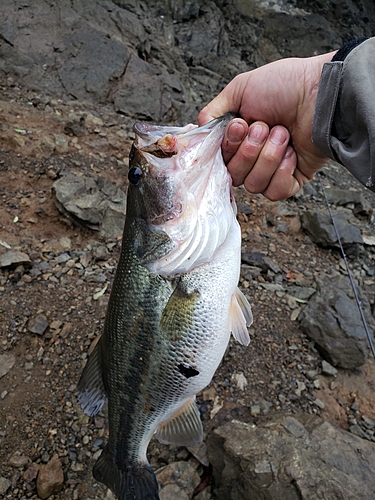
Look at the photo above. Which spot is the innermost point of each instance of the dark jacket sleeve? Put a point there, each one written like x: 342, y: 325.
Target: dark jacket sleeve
x: 344, y: 121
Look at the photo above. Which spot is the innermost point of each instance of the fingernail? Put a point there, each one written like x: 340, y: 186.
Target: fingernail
x: 289, y: 151
x: 278, y: 136
x: 236, y: 132
x: 257, y: 134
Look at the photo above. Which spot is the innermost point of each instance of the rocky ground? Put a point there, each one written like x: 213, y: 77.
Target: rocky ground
x: 55, y: 285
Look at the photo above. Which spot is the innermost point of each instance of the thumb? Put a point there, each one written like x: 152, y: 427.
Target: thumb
x: 217, y: 107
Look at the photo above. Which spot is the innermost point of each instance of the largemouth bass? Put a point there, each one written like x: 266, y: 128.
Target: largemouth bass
x: 173, y: 303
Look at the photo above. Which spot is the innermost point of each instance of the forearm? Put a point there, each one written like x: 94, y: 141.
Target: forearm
x: 344, y: 120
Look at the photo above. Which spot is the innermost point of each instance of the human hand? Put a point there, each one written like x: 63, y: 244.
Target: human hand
x: 278, y: 100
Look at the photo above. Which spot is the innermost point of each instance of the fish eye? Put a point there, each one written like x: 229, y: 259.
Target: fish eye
x: 135, y: 175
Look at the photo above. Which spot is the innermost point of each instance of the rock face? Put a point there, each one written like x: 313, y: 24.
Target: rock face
x: 291, y: 458
x: 332, y: 320
x: 162, y: 60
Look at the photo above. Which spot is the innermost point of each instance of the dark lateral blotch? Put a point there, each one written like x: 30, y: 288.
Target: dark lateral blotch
x: 187, y: 371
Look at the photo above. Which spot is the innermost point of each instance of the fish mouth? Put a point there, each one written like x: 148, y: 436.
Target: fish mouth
x: 161, y: 141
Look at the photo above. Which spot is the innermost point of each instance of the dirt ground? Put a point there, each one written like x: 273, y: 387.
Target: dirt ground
x: 279, y: 371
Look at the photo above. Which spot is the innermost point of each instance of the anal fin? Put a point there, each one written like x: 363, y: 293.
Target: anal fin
x: 90, y: 389
x: 240, y: 317
x: 184, y: 428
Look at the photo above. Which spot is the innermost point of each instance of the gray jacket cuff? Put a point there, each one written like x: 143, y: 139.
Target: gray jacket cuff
x: 344, y: 120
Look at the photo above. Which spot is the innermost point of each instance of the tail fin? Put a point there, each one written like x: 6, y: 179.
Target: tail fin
x: 136, y: 482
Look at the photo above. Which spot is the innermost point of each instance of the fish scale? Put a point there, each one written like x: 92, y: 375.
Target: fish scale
x: 168, y: 321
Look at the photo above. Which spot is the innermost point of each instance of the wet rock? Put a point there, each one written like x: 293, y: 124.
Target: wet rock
x: 177, y: 481
x: 332, y: 320
x: 14, y: 258
x: 319, y: 225
x: 96, y: 203
x: 290, y: 458
x: 50, y: 479
x: 38, y: 325
x: 6, y: 363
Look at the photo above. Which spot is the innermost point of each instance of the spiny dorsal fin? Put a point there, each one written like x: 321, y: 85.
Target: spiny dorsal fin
x: 184, y: 428
x: 90, y: 389
x: 240, y: 317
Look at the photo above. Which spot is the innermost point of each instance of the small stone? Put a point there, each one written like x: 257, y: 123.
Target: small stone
x: 368, y: 422
x: 38, y: 325
x: 200, y: 453
x: 29, y: 365
x: 14, y: 258
x: 318, y: 402
x: 6, y: 363
x: 50, y: 479
x: 47, y: 145
x: 300, y: 387
x: 19, y: 460
x: 62, y: 144
x: 282, y: 399
x: 94, y: 120
x: 178, y: 478
x: 173, y: 492
x: 4, y: 485
x: 255, y: 409
x: 328, y: 369
x: 317, y: 383
x: 31, y: 473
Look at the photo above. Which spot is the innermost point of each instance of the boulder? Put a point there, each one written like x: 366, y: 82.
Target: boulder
x: 93, y: 202
x: 333, y: 321
x: 319, y: 225
x: 300, y: 457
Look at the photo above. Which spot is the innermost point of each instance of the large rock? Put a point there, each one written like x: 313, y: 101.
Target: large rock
x: 96, y: 203
x: 299, y: 457
x: 319, y: 225
x: 333, y: 321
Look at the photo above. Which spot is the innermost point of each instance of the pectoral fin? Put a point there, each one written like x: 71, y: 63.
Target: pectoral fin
x: 184, y: 428
x: 240, y: 317
x: 90, y: 389
x: 178, y: 312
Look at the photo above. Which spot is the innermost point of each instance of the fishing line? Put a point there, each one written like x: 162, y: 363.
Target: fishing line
x: 347, y: 267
